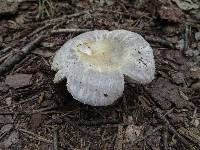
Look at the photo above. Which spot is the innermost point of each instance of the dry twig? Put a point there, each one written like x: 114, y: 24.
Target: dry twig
x: 35, y: 136
x: 11, y: 61
x: 98, y: 122
x: 21, y: 102
x: 57, y: 31
x: 165, y: 137
x: 65, y: 17
x: 55, y: 139
x: 159, y: 40
x: 151, y: 132
x: 172, y: 129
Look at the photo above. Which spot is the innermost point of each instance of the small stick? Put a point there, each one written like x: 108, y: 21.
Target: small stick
x: 165, y: 137
x: 161, y: 41
x: 5, y: 50
x: 15, y: 113
x: 65, y: 17
x: 98, y: 122
x: 186, y: 41
x: 43, y: 109
x: 35, y: 136
x: 30, y: 113
x: 3, y: 58
x: 21, y: 102
x: 9, y: 127
x: 69, y: 30
x: 38, y: 30
x: 55, y: 139
x: 172, y: 129
x: 10, y: 62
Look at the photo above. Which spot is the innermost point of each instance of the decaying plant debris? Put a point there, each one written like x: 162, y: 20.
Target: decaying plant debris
x: 37, y: 114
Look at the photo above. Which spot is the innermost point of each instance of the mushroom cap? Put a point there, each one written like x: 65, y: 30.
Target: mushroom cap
x: 95, y: 63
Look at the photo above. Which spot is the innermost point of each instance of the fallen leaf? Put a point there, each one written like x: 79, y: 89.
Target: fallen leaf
x: 18, y: 80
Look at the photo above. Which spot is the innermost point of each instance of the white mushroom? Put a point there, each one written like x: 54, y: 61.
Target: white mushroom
x: 94, y: 64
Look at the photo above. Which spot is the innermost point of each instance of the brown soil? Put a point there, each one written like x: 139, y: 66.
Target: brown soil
x: 35, y: 113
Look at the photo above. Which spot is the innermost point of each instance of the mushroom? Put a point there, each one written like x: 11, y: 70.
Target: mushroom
x: 96, y: 63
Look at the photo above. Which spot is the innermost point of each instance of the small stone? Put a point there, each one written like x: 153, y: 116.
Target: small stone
x: 197, y: 36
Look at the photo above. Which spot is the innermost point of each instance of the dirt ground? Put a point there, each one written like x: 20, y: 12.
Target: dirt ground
x: 36, y: 114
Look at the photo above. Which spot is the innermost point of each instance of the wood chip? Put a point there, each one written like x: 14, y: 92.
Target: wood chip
x: 18, y: 80
x: 36, y: 120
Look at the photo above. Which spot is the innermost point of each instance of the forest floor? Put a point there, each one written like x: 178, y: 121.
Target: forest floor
x: 35, y: 113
